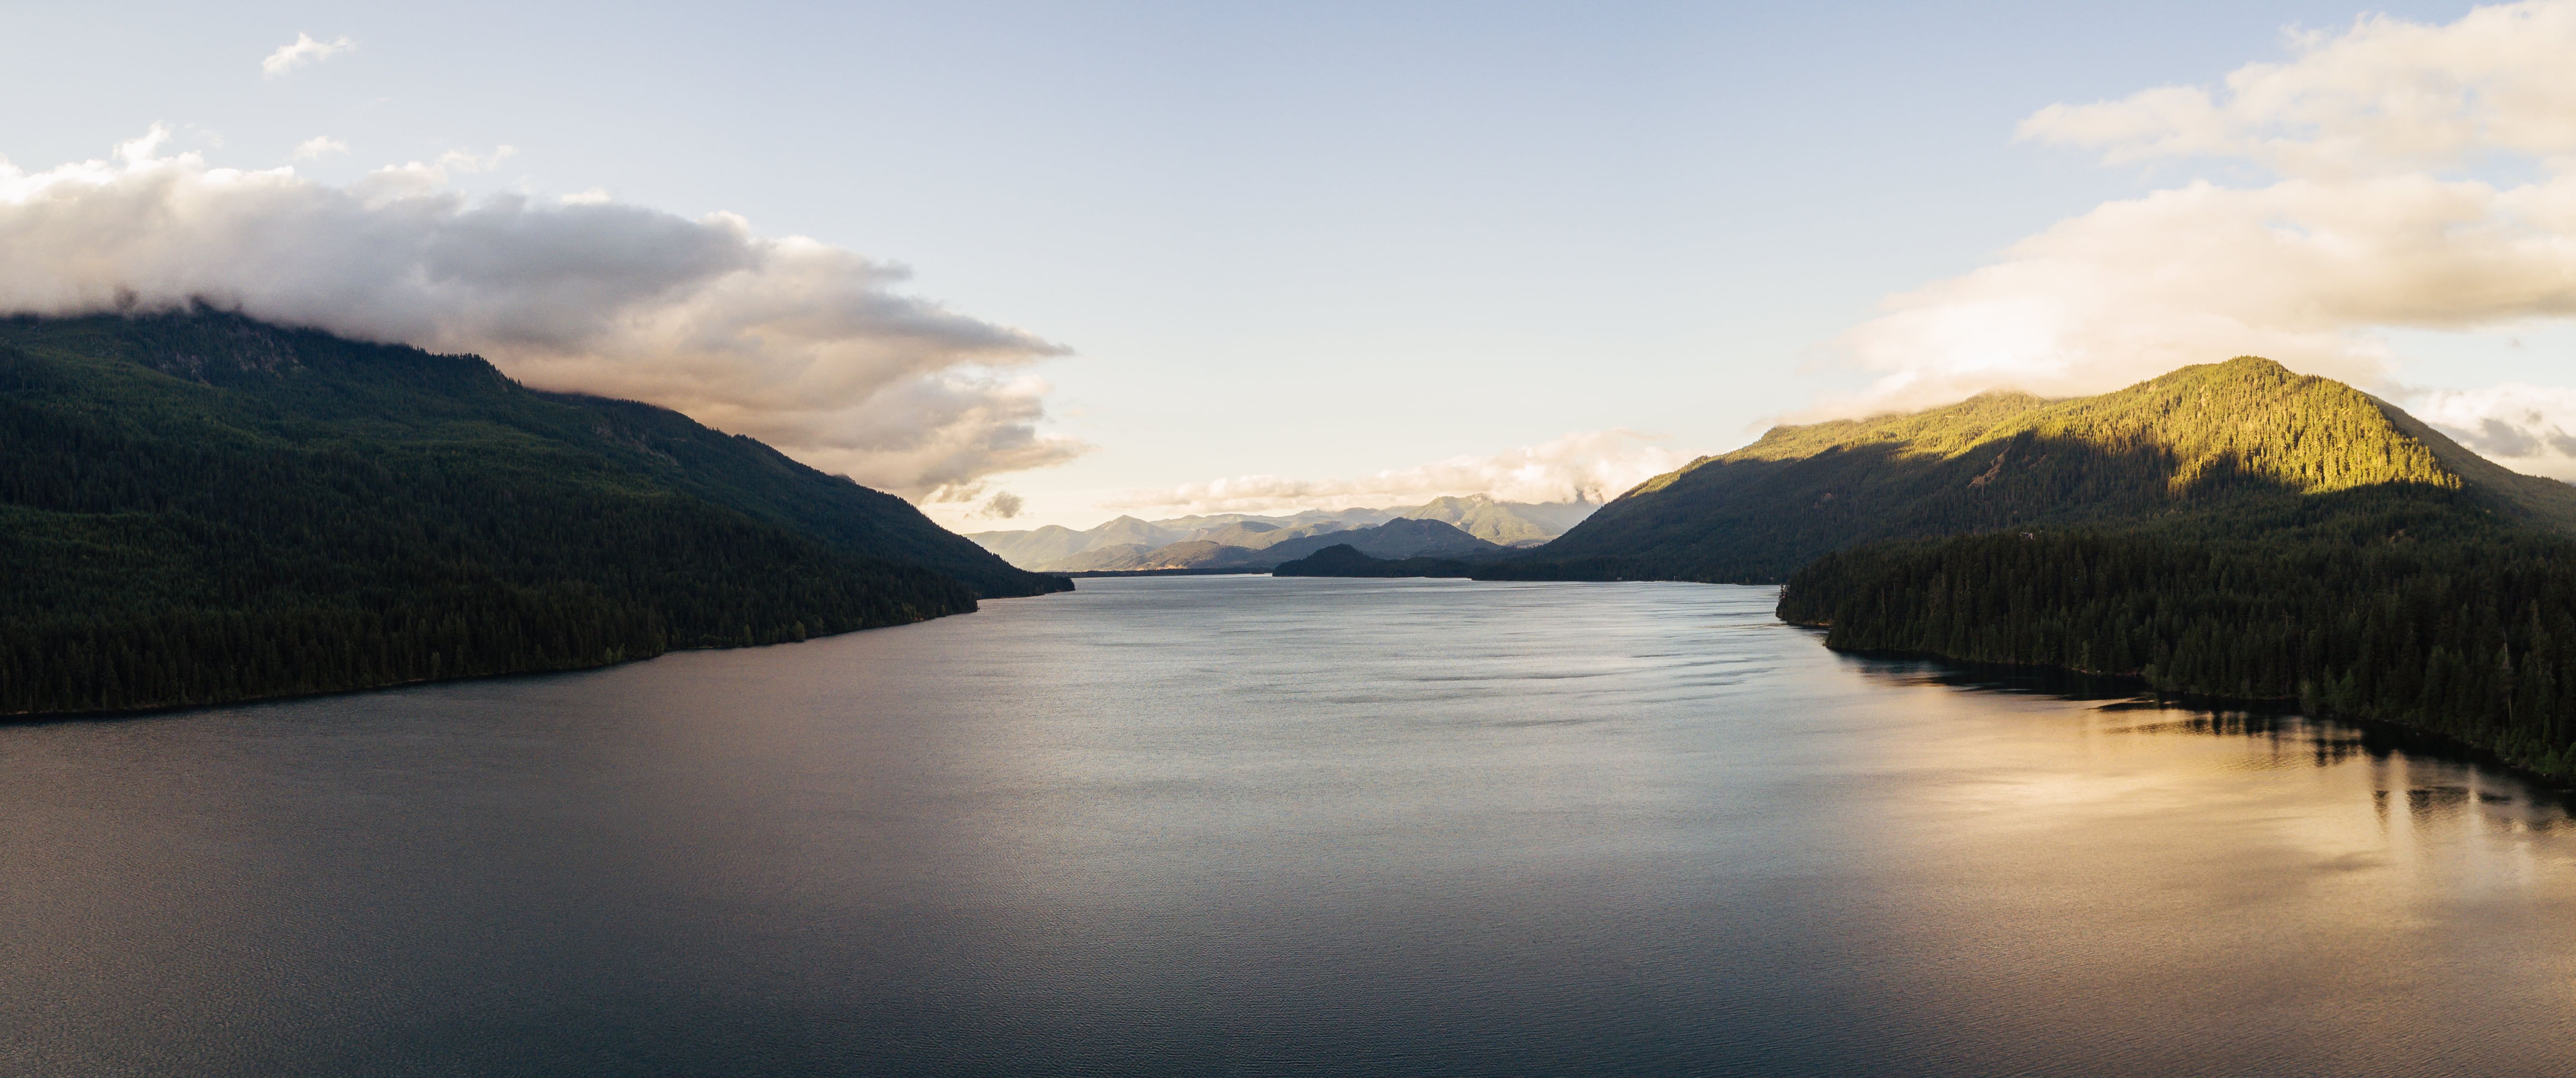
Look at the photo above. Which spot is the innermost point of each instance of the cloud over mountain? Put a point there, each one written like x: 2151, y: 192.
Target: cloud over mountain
x: 2422, y: 176
x: 798, y: 343
x: 1589, y: 465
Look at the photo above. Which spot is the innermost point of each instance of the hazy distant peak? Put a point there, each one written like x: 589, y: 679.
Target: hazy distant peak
x: 1504, y: 523
x: 1477, y: 515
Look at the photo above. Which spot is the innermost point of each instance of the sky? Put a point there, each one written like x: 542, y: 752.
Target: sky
x: 1048, y: 263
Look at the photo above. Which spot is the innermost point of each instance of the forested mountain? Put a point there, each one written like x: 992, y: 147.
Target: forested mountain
x: 198, y: 507
x: 2217, y: 438
x: 2312, y: 544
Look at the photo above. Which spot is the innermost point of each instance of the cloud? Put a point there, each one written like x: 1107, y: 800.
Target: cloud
x: 1591, y: 465
x: 2385, y: 96
x: 2384, y: 209
x: 2526, y: 428
x: 1004, y: 506
x: 468, y: 161
x: 806, y: 346
x: 303, y: 50
x: 319, y: 147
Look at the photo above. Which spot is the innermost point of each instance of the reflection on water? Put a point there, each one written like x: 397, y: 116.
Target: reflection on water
x: 1250, y: 825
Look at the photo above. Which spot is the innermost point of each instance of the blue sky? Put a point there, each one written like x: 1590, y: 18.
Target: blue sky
x: 1313, y: 240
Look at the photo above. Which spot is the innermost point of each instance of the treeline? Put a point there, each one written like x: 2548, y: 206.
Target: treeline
x: 155, y: 610
x: 2452, y: 627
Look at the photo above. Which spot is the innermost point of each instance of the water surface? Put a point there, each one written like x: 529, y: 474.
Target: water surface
x: 1268, y: 826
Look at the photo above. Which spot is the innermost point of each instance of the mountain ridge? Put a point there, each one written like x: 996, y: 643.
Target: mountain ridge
x: 2195, y: 441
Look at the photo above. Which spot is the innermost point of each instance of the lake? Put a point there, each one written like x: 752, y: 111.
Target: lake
x: 1246, y: 825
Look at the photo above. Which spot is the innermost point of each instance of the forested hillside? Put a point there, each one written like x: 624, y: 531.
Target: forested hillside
x: 198, y: 508
x: 2408, y: 605
x: 2216, y: 438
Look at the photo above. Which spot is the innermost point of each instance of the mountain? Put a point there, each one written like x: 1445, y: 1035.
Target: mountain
x: 1400, y: 538
x: 2204, y: 442
x: 1281, y: 534
x: 1058, y: 549
x: 1504, y: 523
x: 1249, y: 534
x: 1352, y: 518
x: 2316, y: 547
x: 1342, y: 560
x: 1034, y: 549
x: 1108, y: 558
x: 1133, y: 557
x: 1131, y: 530
x: 1055, y: 548
x: 1397, y: 538
x: 199, y: 507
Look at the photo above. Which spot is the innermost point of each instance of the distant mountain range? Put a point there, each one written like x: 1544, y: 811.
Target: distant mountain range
x: 1239, y: 539
x: 1399, y: 538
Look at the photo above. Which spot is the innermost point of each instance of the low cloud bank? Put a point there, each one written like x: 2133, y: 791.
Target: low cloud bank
x: 2384, y: 143
x: 800, y: 344
x: 1590, y: 466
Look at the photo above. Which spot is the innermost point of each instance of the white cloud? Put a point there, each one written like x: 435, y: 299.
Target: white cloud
x: 469, y: 161
x: 800, y: 344
x: 319, y: 147
x: 303, y: 50
x: 2526, y: 428
x: 2384, y: 212
x: 1592, y: 465
x: 2387, y: 95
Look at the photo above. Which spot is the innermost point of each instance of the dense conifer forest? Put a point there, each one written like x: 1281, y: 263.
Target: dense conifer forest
x: 2405, y: 605
x: 197, y: 508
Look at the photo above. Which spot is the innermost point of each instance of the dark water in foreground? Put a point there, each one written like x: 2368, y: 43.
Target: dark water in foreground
x: 1237, y: 824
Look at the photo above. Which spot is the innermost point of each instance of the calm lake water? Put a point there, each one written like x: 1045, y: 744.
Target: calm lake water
x: 1259, y: 826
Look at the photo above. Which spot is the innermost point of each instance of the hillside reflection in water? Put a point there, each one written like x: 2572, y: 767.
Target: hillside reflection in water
x: 1246, y: 825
